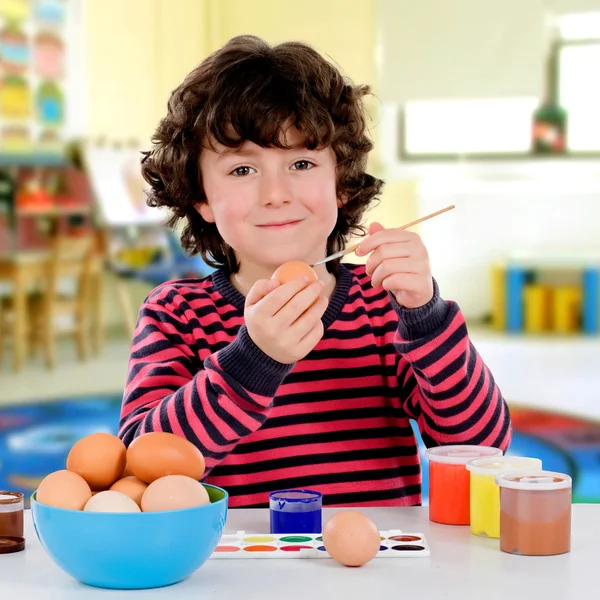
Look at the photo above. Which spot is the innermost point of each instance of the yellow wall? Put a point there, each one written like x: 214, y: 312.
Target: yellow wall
x: 137, y: 51
x: 346, y: 35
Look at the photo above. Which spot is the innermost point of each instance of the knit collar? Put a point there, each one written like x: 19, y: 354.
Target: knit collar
x: 338, y: 299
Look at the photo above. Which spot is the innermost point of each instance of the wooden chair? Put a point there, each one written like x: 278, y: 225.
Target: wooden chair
x: 72, y: 262
x: 14, y: 320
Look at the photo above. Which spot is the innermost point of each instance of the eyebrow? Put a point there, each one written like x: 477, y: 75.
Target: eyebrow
x: 252, y: 150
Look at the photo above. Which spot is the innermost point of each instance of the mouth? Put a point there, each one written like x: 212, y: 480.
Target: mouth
x: 279, y: 225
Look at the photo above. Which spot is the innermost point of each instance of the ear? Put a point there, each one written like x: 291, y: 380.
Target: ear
x: 340, y: 203
x: 205, y: 212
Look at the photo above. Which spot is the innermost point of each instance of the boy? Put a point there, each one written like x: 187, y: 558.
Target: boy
x: 301, y: 385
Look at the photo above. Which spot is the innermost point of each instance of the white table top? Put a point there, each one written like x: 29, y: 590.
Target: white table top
x: 461, y: 566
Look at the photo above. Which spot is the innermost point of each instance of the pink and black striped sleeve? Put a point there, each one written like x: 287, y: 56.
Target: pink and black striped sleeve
x: 214, y: 403
x: 446, y: 386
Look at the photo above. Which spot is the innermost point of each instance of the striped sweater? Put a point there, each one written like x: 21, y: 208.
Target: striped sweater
x: 337, y: 421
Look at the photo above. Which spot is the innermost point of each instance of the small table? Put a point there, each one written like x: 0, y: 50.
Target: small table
x: 26, y: 268
x: 461, y: 566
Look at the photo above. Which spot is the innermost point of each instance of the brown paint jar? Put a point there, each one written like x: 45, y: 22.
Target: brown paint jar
x: 11, y: 514
x: 535, y: 513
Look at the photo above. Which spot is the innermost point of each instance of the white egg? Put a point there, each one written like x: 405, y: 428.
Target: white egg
x: 110, y: 501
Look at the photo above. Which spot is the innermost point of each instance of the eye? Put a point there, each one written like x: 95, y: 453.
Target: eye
x: 241, y: 171
x: 303, y: 165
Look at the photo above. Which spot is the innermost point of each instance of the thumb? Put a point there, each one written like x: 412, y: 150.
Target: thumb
x: 375, y: 227
x: 259, y: 290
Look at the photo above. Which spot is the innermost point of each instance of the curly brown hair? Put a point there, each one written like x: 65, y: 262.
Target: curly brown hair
x: 251, y: 91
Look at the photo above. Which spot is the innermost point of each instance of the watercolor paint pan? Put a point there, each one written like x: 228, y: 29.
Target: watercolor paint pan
x: 242, y: 545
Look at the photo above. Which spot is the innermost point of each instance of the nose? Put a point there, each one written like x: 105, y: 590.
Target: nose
x: 274, y: 189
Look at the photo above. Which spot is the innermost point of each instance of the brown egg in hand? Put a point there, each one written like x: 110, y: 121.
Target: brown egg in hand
x: 157, y: 454
x: 351, y: 538
x: 292, y: 269
x: 99, y: 458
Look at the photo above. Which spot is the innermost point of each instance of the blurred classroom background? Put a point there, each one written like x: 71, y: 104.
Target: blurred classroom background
x: 489, y: 106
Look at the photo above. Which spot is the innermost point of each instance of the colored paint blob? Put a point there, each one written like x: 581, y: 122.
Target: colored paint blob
x: 260, y: 548
x: 296, y: 539
x: 227, y: 549
x: 259, y: 539
x: 382, y: 548
x: 407, y: 547
x: 295, y: 548
x: 405, y: 538
x: 321, y: 549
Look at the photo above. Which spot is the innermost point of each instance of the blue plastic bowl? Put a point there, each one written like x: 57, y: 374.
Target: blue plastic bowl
x: 131, y: 550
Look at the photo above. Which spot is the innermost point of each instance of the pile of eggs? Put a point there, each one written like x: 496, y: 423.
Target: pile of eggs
x: 158, y: 471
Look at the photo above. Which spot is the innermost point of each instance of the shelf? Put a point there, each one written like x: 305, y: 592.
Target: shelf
x: 33, y: 160
x: 34, y: 212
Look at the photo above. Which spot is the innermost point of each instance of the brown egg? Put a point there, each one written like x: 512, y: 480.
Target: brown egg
x: 156, y: 454
x: 64, y: 489
x: 295, y: 268
x: 351, y: 538
x: 126, y: 471
x: 99, y: 458
x: 130, y: 486
x: 174, y: 492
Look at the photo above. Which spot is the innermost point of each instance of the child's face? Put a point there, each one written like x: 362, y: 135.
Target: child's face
x: 271, y: 205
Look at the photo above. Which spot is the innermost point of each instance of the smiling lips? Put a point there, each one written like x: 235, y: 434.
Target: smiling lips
x: 279, y: 225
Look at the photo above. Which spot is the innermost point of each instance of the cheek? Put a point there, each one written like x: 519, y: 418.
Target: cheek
x: 322, y: 198
x: 228, y: 211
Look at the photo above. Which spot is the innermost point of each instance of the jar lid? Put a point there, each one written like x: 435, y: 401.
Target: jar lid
x: 460, y: 454
x: 534, y: 480
x: 10, y: 497
x: 10, y: 544
x: 495, y: 465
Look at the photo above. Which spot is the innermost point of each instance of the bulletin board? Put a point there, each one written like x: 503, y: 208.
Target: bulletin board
x: 33, y: 74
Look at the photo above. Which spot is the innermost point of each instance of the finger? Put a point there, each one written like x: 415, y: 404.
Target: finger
x: 308, y: 319
x: 282, y: 294
x: 404, y: 282
x: 397, y: 266
x: 313, y: 335
x: 387, y: 252
x: 299, y: 304
x: 385, y: 236
x: 375, y: 227
x: 260, y: 289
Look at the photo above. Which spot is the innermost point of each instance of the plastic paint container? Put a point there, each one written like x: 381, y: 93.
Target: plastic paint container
x: 296, y: 511
x: 535, y: 513
x: 449, y: 485
x: 12, y: 505
x: 485, y: 494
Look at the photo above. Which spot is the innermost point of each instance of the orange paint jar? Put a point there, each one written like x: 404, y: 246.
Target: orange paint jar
x: 449, y: 482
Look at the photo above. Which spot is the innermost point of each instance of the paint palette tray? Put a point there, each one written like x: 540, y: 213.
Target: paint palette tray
x: 394, y: 544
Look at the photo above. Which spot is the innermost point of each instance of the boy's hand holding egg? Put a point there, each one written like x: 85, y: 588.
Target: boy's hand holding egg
x: 283, y: 314
x: 165, y: 472
x: 399, y: 263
